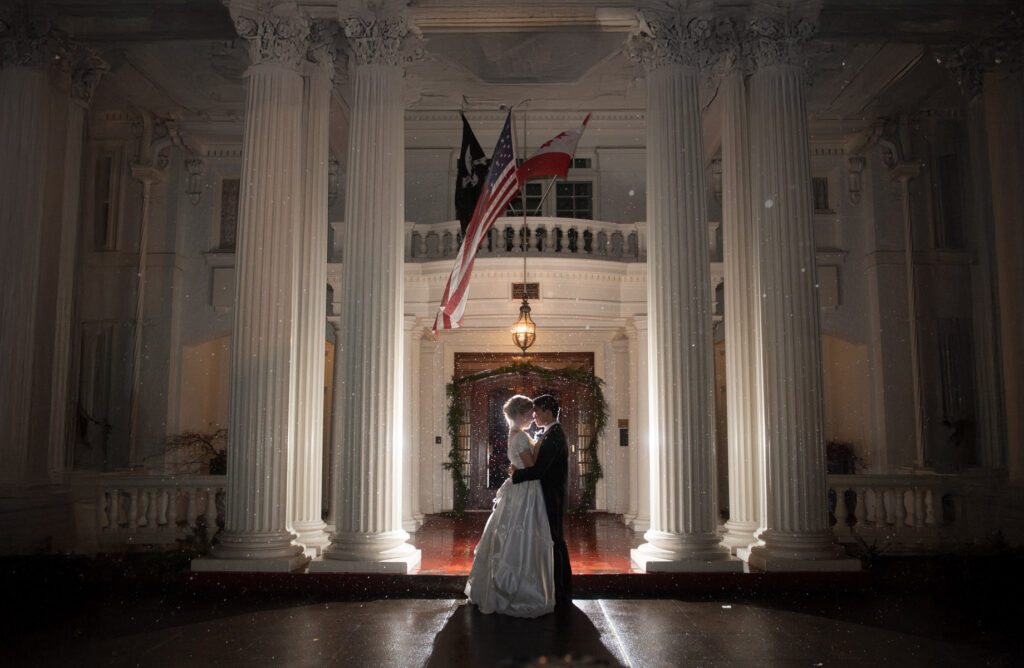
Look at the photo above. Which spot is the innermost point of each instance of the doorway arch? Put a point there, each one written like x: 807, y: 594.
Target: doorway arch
x: 481, y: 386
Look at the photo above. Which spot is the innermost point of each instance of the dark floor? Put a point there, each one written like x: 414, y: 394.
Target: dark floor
x: 147, y: 610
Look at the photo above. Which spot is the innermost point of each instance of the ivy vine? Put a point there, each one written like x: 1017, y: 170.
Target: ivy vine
x: 598, y: 411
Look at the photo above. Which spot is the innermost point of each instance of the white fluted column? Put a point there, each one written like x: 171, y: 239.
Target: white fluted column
x: 1003, y: 94
x: 311, y: 296
x: 86, y: 68
x: 368, y: 536
x: 638, y: 515
x: 24, y: 131
x: 332, y: 454
x: 742, y: 325
x: 409, y: 485
x: 797, y: 535
x: 262, y: 396
x: 683, y: 533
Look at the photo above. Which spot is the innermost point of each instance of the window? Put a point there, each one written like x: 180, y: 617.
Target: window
x: 105, y: 200
x: 581, y: 163
x: 534, y: 194
x: 574, y: 199
x: 819, y: 184
x: 228, y: 214
x: 949, y: 224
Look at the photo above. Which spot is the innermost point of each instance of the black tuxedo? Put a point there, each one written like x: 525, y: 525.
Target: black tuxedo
x: 552, y: 469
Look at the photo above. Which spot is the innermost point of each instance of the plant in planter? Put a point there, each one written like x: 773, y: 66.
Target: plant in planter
x: 199, y: 452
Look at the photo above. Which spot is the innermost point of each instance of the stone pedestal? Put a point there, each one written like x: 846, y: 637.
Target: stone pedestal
x: 683, y: 534
x: 368, y: 534
x: 262, y: 390
x: 742, y: 324
x: 798, y: 535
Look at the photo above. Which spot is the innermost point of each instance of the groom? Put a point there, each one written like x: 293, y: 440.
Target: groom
x: 552, y: 469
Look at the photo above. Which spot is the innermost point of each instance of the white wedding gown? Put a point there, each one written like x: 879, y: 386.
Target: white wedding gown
x: 513, y: 570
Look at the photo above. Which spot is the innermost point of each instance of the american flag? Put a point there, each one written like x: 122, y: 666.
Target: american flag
x: 500, y: 187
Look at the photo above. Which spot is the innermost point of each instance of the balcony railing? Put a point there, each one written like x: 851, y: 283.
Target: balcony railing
x: 553, y: 237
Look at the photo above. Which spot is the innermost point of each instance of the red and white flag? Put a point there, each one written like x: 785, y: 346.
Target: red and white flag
x: 499, y: 188
x: 554, y: 157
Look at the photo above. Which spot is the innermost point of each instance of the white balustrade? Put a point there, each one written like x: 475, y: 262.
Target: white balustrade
x: 900, y: 513
x: 152, y: 509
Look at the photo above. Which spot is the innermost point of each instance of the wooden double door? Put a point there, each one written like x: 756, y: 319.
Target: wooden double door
x: 488, y: 432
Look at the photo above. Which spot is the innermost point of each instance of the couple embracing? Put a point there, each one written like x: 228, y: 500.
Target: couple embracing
x: 521, y: 567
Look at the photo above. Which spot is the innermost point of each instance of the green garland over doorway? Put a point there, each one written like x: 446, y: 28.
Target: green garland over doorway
x: 576, y: 374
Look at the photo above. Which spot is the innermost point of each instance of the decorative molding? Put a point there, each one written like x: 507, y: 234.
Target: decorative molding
x: 276, y: 40
x: 86, y: 68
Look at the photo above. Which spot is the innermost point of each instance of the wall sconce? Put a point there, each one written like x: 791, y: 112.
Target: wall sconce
x: 853, y: 178
x: 716, y: 179
x: 194, y: 185
x: 333, y: 167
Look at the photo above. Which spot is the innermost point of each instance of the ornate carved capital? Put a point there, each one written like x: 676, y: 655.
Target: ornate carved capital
x: 1000, y: 50
x: 274, y: 39
x: 28, y: 39
x: 673, y: 39
x: 380, y: 40
x: 323, y: 49
x: 775, y: 41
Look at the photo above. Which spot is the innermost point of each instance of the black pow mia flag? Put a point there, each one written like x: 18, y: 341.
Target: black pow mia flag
x: 471, y: 174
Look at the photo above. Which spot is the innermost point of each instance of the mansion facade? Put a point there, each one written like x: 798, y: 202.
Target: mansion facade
x: 789, y: 246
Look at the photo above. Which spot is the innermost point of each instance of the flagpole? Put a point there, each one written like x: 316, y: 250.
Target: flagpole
x: 544, y: 196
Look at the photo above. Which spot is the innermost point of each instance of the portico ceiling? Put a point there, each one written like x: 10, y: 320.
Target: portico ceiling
x: 182, y: 58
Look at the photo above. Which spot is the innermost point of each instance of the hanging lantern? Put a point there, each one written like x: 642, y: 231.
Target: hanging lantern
x: 524, y: 331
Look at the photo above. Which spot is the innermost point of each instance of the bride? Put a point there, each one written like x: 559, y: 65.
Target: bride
x: 512, y: 571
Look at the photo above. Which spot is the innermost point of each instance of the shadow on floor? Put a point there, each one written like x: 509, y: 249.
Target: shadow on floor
x: 471, y: 638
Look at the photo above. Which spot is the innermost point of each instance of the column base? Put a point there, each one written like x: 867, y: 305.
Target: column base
x: 314, y: 540
x: 385, y: 552
x: 739, y: 535
x: 673, y: 553
x: 398, y: 566
x: 222, y: 565
x: 639, y: 524
x: 649, y: 564
x: 810, y: 552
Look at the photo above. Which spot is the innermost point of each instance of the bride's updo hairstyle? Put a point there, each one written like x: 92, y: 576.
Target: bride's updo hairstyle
x: 517, y: 405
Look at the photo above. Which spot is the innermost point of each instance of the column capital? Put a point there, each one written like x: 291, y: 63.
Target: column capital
x: 322, y: 52
x: 29, y: 38
x: 275, y: 37
x: 382, y: 39
x: 779, y: 41
x: 1003, y: 50
x: 673, y: 38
